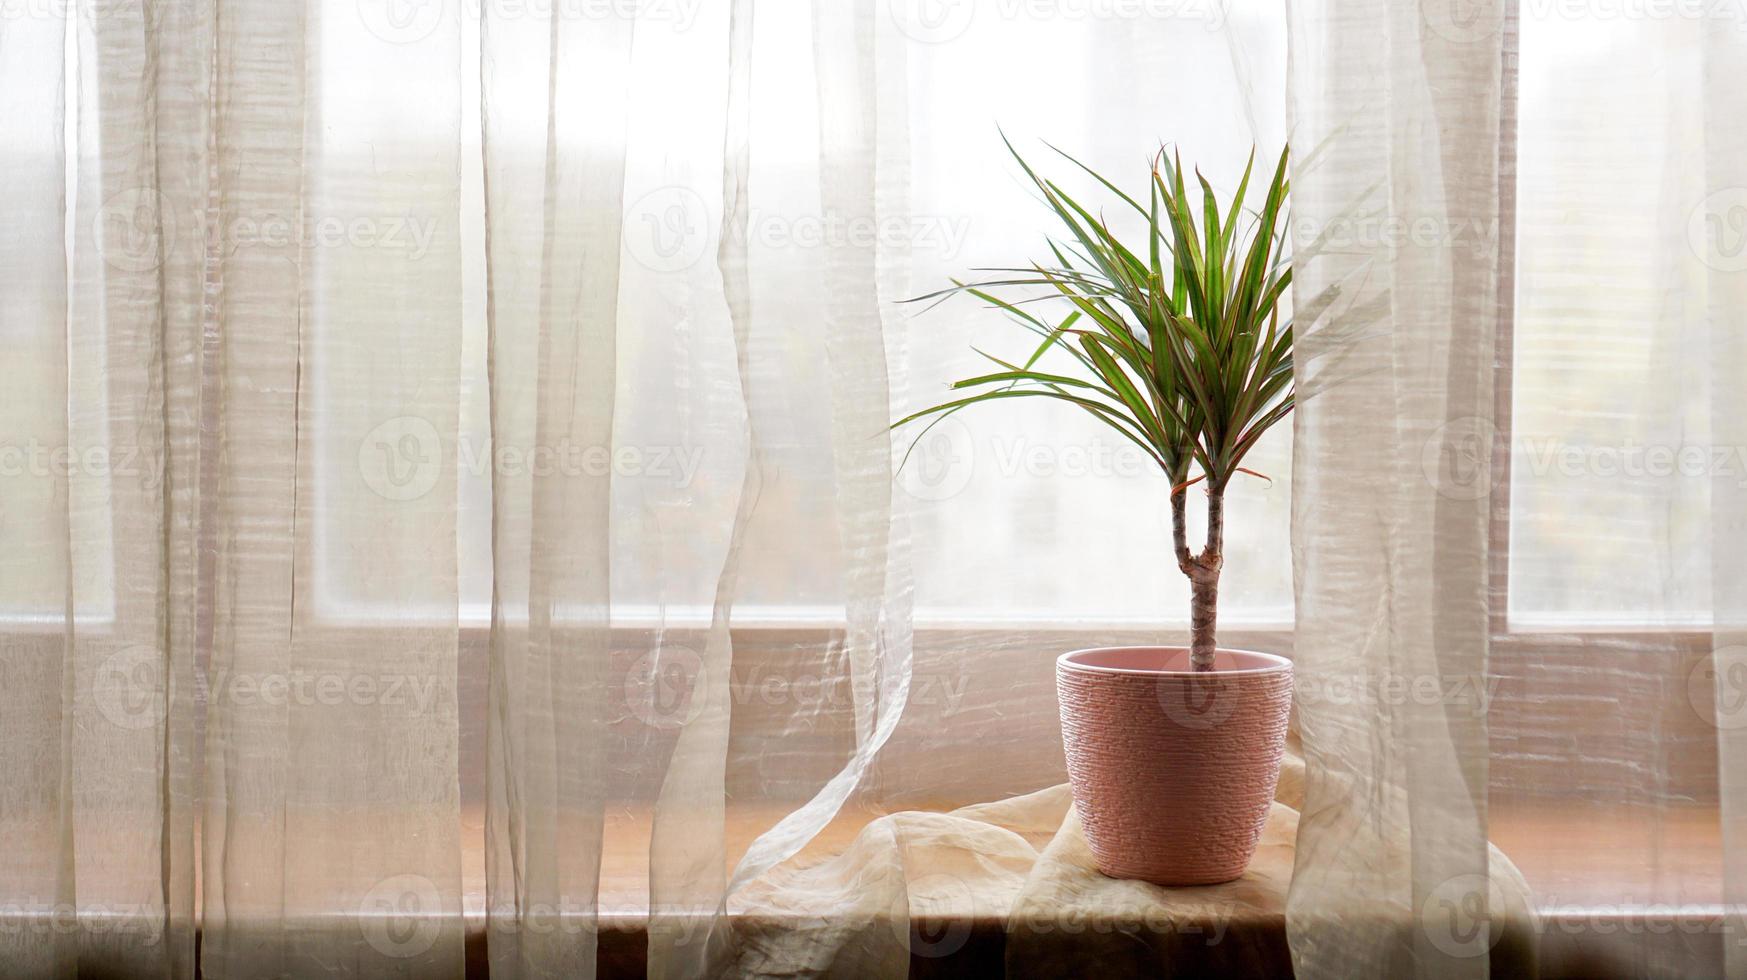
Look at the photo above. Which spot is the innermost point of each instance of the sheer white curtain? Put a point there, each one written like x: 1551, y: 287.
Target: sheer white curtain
x: 331, y: 734
x: 1392, y: 572
x: 448, y: 507
x: 1722, y: 214
x: 447, y: 488
x: 801, y: 638
x: 1517, y: 525
x: 102, y: 129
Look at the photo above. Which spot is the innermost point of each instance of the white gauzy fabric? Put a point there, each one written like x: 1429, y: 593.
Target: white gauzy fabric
x: 1626, y: 480
x: 884, y: 187
x: 553, y: 100
x: 332, y: 726
x: 1519, y: 485
x: 494, y: 535
x: 497, y: 397
x: 1723, y: 78
x: 1392, y: 121
x: 103, y: 133
x: 35, y: 540
x: 791, y: 172
x: 843, y: 170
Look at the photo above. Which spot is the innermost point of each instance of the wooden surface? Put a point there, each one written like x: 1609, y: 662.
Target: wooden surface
x: 1620, y: 890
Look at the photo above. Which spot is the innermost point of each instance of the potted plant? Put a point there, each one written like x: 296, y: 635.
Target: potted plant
x: 1177, y: 342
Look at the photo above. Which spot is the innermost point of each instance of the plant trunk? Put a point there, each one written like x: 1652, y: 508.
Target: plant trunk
x: 1203, y: 617
x: 1203, y: 571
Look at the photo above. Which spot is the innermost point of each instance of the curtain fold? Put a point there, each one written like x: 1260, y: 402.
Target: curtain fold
x: 446, y: 470
x: 553, y: 99
x: 687, y: 345
x: 1391, y: 566
x: 1722, y: 217
x: 1518, y: 487
x: 487, y: 536
x: 332, y: 719
x: 861, y: 170
x: 259, y: 140
x: 36, y: 697
x: 863, y: 666
x: 105, y: 122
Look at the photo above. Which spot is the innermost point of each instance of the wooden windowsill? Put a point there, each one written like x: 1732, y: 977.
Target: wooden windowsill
x: 1621, y: 891
x: 1606, y: 908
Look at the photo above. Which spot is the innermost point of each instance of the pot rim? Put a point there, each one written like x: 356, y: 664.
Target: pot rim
x: 1276, y: 663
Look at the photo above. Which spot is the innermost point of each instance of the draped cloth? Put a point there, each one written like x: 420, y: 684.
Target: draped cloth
x: 1516, y: 613
x: 1011, y: 888
x: 432, y: 432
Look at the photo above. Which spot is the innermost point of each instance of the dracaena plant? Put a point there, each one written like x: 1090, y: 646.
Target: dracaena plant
x: 1177, y: 332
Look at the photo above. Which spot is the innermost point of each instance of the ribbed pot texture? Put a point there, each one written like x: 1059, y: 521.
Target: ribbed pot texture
x: 1173, y: 771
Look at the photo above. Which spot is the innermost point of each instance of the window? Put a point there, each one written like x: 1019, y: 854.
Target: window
x: 1013, y: 512
x: 56, y: 465
x: 1610, y: 454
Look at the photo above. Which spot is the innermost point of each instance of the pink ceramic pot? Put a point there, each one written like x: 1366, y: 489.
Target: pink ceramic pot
x: 1173, y: 770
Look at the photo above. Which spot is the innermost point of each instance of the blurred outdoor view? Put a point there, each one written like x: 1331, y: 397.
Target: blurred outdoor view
x: 1611, y: 455
x: 1019, y: 512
